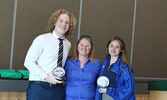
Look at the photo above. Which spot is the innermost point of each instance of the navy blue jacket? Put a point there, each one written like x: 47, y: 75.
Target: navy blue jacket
x: 125, y: 84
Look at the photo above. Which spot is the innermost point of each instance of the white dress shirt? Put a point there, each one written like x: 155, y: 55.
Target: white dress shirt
x: 42, y: 55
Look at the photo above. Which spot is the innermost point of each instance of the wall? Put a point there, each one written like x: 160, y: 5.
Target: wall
x: 142, y: 26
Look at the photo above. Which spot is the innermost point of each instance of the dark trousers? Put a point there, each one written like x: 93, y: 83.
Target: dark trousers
x: 43, y: 92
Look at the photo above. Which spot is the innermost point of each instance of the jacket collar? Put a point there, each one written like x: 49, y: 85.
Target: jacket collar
x: 117, y: 65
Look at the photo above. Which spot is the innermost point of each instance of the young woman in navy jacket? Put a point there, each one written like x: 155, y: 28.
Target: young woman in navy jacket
x: 119, y: 72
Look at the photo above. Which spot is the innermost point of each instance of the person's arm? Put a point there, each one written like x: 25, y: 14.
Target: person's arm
x: 32, y: 56
x: 125, y: 86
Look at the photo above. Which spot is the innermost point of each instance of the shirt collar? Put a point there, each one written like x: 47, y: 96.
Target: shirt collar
x: 56, y: 36
x: 77, y: 60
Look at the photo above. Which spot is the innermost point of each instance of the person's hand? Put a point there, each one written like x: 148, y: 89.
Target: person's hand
x: 102, y: 90
x: 53, y: 79
x: 59, y: 80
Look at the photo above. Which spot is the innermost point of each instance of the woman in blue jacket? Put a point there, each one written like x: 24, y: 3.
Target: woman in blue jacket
x: 82, y: 70
x: 119, y: 72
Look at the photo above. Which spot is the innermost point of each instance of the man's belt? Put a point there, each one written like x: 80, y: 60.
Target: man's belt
x: 46, y: 83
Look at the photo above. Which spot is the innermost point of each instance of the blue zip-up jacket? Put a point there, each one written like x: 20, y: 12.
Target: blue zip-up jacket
x: 125, y: 84
x: 81, y: 83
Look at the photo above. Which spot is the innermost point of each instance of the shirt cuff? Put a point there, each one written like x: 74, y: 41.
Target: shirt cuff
x: 108, y: 91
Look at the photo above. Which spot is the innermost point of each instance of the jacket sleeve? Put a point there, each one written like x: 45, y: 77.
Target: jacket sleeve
x: 98, y: 95
x: 125, y: 86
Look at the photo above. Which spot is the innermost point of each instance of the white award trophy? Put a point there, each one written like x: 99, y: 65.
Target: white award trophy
x: 59, y: 72
x: 102, y: 82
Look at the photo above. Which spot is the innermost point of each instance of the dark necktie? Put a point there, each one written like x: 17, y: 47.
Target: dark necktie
x: 60, y: 55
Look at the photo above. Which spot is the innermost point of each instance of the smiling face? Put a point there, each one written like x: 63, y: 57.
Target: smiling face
x: 62, y: 25
x: 84, y: 47
x: 114, y: 48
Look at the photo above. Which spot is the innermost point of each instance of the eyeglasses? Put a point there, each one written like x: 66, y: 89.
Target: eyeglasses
x: 86, y: 36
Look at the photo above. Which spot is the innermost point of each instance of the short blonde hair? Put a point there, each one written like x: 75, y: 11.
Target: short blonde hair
x: 54, y: 17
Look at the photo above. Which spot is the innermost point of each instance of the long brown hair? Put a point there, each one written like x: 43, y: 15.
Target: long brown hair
x: 54, y: 17
x: 75, y: 52
x: 123, y: 53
